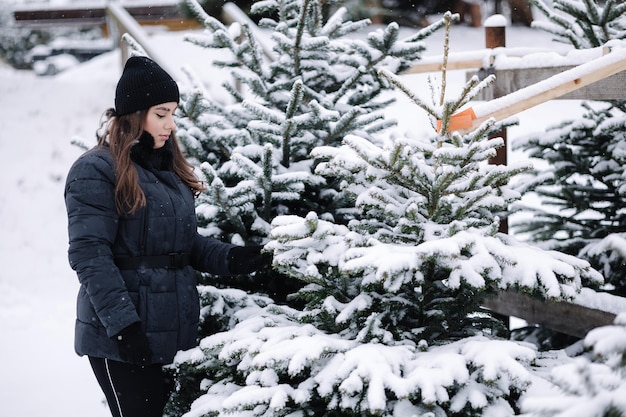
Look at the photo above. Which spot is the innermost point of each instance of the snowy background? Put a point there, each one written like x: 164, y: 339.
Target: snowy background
x: 41, y: 375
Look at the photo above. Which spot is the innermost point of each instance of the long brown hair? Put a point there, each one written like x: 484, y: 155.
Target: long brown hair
x: 120, y: 133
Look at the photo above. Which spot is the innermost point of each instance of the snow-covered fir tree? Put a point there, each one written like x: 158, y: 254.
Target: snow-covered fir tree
x: 594, y: 384
x: 582, y: 188
x: 313, y: 84
x: 309, y: 82
x: 392, y: 324
x: 583, y: 23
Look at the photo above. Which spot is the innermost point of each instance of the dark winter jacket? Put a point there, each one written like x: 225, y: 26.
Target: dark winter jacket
x: 164, y: 300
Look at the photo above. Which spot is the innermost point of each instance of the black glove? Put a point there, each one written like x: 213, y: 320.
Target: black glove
x: 246, y: 259
x: 133, y: 345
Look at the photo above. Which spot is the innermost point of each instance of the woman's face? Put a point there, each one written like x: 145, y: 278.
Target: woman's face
x: 160, y: 122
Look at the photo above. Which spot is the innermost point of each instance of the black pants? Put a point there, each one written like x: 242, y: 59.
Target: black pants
x: 132, y: 390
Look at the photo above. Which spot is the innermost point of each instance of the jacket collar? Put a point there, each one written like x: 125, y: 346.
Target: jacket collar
x: 144, y: 154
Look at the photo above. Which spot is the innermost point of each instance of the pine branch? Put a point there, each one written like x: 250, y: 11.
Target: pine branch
x: 295, y: 98
x: 396, y: 82
x: 446, y: 51
x: 342, y: 127
x: 267, y: 181
x: 299, y: 33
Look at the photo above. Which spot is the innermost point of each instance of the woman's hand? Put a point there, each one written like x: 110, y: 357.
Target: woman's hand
x: 247, y: 259
x: 133, y: 345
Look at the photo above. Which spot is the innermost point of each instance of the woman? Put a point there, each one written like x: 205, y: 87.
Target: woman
x: 134, y: 245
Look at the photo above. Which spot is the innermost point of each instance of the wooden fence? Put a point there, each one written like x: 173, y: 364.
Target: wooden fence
x: 167, y: 14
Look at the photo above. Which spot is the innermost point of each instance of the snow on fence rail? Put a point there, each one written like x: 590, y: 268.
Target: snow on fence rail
x: 479, y: 58
x: 553, y: 87
x: 518, y: 68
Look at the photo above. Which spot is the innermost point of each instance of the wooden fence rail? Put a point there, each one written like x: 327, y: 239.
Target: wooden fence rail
x: 552, y: 88
x: 122, y: 22
x: 163, y: 13
x: 564, y: 317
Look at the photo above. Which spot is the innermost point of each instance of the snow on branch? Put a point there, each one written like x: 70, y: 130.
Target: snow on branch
x: 470, y: 257
x: 272, y: 352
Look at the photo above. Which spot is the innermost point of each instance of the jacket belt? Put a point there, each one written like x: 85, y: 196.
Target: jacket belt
x: 170, y: 261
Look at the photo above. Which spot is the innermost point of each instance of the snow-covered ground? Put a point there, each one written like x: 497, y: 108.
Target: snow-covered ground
x: 41, y: 375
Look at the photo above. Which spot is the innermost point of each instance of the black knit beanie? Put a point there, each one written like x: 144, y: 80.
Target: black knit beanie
x: 143, y: 84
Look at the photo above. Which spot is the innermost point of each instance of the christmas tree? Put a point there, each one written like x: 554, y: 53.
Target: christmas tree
x: 591, y: 385
x: 391, y: 323
x: 582, y: 188
x: 583, y: 23
x: 314, y: 84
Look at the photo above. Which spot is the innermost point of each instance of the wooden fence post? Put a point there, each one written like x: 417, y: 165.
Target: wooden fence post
x: 495, y: 37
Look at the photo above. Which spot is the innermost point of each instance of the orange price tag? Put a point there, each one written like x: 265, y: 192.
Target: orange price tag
x: 462, y: 120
